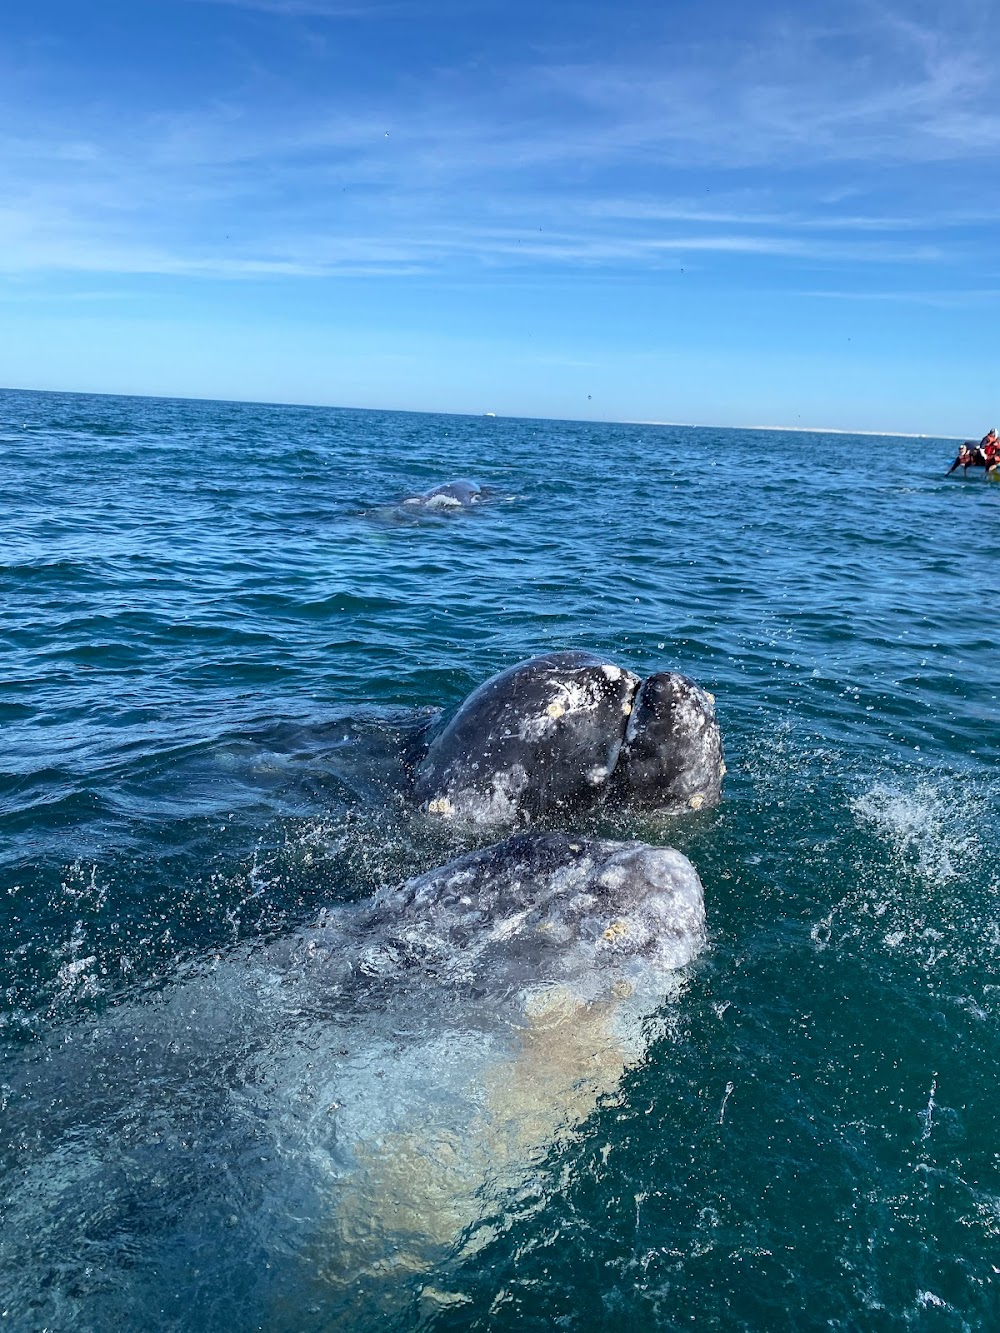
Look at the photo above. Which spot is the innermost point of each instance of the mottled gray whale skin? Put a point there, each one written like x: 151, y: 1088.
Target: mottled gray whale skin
x: 671, y: 757
x: 539, y: 737
x: 563, y: 733
x: 542, y: 907
x: 461, y: 494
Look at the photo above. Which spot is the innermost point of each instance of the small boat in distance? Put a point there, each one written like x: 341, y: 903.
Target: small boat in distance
x: 985, y: 454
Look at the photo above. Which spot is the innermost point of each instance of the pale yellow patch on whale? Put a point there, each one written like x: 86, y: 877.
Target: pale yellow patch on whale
x: 555, y: 710
x: 569, y: 1057
x: 697, y: 800
x: 616, y: 930
x: 440, y: 806
x: 415, y: 1195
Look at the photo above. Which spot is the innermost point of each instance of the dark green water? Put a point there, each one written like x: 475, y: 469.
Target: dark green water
x: 216, y: 635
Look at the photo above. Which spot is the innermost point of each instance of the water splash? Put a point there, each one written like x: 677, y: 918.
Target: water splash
x: 927, y: 826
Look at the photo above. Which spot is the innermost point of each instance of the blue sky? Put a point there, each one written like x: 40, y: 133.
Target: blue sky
x: 735, y: 213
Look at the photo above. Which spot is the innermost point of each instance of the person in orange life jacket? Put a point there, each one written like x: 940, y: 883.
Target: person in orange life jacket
x: 965, y: 458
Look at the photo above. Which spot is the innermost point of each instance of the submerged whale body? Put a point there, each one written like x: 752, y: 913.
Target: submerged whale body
x: 565, y: 732
x: 506, y: 992
x: 316, y: 1126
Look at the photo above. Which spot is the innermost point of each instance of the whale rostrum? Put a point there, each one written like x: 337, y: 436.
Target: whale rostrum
x: 565, y: 732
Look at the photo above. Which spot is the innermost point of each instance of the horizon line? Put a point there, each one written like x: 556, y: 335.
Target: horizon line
x: 423, y: 411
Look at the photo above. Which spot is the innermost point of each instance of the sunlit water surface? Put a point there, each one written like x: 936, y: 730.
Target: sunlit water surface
x: 218, y: 634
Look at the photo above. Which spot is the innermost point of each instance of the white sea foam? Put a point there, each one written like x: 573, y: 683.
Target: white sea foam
x: 930, y: 891
x: 925, y: 826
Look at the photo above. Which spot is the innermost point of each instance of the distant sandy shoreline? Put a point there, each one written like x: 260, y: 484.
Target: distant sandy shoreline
x: 804, y: 430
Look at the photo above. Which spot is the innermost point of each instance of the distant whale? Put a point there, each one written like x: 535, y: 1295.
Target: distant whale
x: 452, y: 495
x: 451, y: 498
x: 316, y: 1124
x: 566, y: 732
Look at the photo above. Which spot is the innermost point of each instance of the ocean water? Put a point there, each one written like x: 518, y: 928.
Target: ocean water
x: 218, y: 634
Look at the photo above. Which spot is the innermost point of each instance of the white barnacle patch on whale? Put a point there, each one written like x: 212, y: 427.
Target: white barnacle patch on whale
x: 571, y: 700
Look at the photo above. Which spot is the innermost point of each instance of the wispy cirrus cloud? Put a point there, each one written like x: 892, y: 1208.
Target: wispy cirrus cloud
x: 956, y: 299
x: 36, y: 240
x: 687, y: 210
x: 799, y: 92
x: 329, y: 9
x: 453, y: 163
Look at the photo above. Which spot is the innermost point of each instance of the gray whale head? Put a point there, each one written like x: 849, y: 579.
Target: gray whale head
x: 546, y: 906
x: 563, y: 732
x: 671, y: 756
x: 543, y: 735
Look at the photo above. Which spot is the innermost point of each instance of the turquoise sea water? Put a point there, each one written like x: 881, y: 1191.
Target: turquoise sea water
x: 217, y: 634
